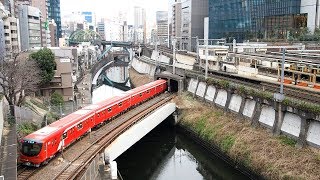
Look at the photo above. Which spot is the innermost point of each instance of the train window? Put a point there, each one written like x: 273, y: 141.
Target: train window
x: 98, y: 114
x: 148, y: 91
x: 120, y: 104
x: 64, y: 135
x: 140, y: 94
x: 91, y: 119
x: 79, y: 126
x: 109, y: 109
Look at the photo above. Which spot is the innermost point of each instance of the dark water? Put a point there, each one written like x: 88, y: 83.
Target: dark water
x: 165, y: 154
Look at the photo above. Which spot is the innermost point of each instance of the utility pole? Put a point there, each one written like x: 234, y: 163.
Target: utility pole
x: 206, y: 37
x: 198, y: 57
x: 282, y: 71
x: 174, y: 56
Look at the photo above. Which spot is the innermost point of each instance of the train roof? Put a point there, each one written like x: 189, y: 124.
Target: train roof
x: 111, y: 101
x: 151, y: 84
x: 60, y: 125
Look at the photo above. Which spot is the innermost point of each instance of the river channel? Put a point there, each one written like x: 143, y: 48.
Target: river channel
x: 166, y: 154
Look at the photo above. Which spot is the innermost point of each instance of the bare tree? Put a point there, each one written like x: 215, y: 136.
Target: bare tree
x: 18, y: 78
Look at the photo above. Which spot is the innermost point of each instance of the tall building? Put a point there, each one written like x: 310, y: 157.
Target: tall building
x: 174, y: 20
x: 53, y: 33
x: 11, y: 37
x: 54, y: 13
x: 139, y: 25
x: 9, y: 45
x: 193, y: 13
x: 162, y: 27
x: 244, y: 19
x: 43, y: 6
x: 2, y: 43
x: 30, y: 27
x: 101, y: 29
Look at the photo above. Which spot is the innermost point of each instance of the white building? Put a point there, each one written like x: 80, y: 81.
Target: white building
x: 139, y: 25
x: 30, y: 27
x: 11, y: 37
x: 162, y: 27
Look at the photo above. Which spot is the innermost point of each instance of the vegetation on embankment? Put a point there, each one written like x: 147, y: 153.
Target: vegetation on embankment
x: 274, y: 157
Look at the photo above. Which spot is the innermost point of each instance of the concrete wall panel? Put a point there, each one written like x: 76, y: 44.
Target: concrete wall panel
x: 201, y: 89
x: 143, y: 68
x: 249, y: 108
x: 267, y: 116
x: 235, y: 103
x: 291, y: 124
x: 221, y: 98
x: 313, y: 136
x: 211, y: 91
x: 192, y: 85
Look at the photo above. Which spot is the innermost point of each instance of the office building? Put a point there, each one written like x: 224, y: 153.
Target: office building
x: 43, y: 6
x: 162, y: 27
x: 54, y: 13
x: 244, y: 19
x: 54, y: 41
x: 193, y: 13
x: 139, y: 25
x: 101, y: 29
x: 29, y: 27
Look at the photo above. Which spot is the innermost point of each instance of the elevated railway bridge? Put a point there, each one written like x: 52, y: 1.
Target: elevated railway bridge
x: 104, y: 144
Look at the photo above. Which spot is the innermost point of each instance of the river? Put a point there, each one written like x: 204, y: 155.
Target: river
x: 166, y: 154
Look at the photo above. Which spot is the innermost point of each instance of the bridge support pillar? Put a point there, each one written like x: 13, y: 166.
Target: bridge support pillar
x: 114, y: 170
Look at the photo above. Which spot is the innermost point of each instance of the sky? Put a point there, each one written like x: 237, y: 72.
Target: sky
x: 106, y: 8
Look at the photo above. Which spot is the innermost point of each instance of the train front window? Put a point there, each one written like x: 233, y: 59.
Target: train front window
x: 31, y: 148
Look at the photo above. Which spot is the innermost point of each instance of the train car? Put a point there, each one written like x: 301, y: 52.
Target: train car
x: 42, y: 145
x: 39, y: 147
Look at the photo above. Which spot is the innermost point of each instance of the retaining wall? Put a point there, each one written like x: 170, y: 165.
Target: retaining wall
x: 143, y: 68
x: 302, y: 126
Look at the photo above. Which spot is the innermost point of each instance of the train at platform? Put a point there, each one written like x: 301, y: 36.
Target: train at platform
x: 41, y: 146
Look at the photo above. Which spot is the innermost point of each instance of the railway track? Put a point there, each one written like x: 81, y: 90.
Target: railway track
x: 79, y: 163
x: 26, y: 172
x: 307, y: 96
x: 74, y: 154
x: 299, y: 94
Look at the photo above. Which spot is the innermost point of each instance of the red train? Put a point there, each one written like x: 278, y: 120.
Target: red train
x: 39, y: 147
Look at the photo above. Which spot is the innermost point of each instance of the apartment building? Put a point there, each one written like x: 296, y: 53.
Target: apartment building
x: 29, y: 26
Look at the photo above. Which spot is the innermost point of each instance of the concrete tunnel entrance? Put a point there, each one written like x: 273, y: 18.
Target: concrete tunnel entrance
x: 173, y: 85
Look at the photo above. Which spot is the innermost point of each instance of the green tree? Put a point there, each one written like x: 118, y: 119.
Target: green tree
x: 56, y: 99
x: 46, y: 63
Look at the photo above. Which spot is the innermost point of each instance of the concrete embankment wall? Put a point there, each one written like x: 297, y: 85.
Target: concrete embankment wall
x: 291, y: 122
x: 143, y: 68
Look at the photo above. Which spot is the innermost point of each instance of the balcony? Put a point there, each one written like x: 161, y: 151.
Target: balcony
x: 14, y: 35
